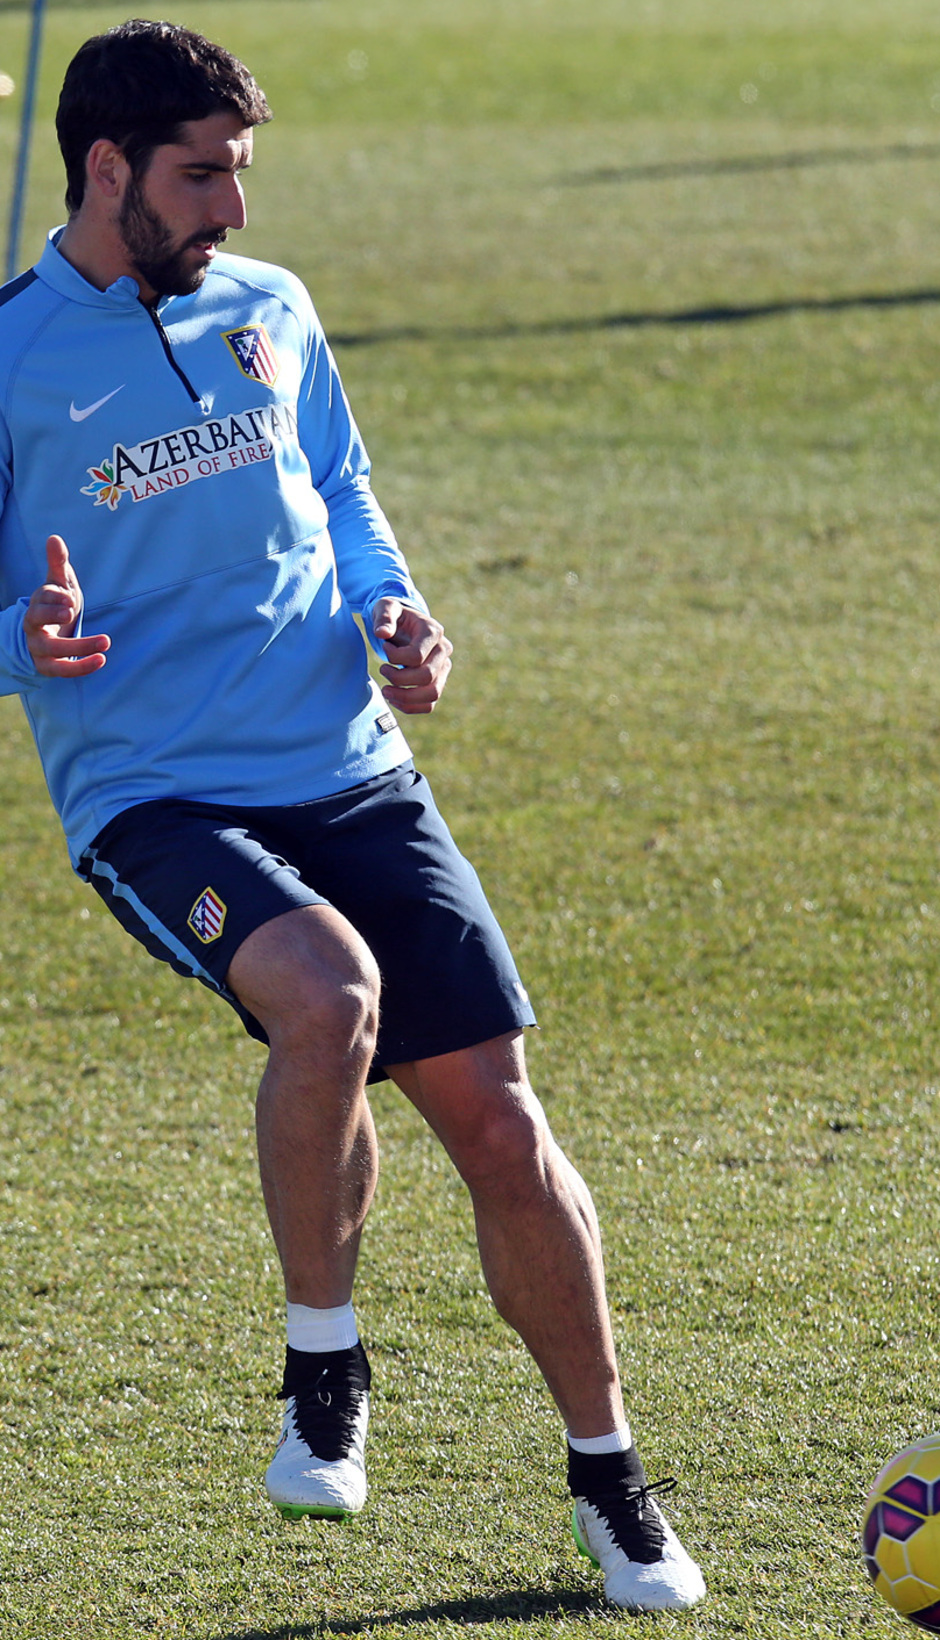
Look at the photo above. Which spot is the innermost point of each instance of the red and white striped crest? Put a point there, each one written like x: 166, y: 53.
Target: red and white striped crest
x: 254, y: 353
x: 207, y: 918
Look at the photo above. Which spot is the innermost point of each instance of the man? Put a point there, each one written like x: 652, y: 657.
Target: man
x: 181, y: 474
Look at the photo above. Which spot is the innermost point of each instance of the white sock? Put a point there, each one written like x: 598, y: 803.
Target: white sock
x: 619, y: 1440
x: 321, y: 1330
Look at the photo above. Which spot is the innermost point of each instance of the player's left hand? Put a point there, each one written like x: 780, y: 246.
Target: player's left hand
x: 418, y: 655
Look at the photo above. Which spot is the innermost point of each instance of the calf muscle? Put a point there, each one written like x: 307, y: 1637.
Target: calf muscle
x: 311, y: 982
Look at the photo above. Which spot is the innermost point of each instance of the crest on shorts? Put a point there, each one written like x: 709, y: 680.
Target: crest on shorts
x: 207, y: 918
x: 254, y: 353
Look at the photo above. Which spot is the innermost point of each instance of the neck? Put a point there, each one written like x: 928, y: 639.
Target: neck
x: 98, y: 254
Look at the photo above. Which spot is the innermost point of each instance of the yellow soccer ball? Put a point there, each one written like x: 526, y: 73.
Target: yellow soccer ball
x: 901, y: 1533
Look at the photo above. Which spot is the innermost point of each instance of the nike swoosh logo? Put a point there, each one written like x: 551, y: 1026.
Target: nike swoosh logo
x: 81, y: 415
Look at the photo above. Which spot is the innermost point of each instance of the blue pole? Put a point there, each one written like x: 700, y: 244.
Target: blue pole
x: 26, y: 125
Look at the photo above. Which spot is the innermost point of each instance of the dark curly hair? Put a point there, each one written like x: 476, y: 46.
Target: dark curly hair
x: 137, y: 85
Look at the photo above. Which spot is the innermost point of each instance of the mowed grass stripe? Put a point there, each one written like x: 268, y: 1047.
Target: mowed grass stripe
x: 691, y: 742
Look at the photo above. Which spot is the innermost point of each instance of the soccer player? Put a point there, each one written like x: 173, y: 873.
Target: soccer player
x: 187, y: 533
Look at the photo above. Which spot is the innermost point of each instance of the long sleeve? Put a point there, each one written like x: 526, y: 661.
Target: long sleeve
x: 370, y: 563
x: 17, y: 672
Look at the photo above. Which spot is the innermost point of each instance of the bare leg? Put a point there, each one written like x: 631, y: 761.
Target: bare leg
x: 536, y: 1226
x: 313, y: 984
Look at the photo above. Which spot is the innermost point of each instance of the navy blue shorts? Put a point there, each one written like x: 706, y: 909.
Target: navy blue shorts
x: 192, y: 880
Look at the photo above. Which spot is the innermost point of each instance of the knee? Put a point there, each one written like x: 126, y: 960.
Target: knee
x: 504, y: 1146
x: 310, y: 985
x: 338, y: 1006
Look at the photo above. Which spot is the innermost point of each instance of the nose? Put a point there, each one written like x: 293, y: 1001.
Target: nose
x: 230, y: 204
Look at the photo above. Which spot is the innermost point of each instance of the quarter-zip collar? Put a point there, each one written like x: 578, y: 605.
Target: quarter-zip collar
x: 55, y: 270
x: 122, y: 297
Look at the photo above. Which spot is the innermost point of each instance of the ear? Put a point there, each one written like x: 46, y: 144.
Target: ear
x: 106, y: 169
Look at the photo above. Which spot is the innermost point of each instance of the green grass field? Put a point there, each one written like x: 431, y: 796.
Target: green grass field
x: 639, y: 309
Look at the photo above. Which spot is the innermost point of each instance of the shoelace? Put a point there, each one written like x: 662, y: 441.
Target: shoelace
x: 325, y: 1416
x: 635, y: 1530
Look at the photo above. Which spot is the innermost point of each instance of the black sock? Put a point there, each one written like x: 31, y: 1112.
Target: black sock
x: 303, y: 1368
x: 594, y: 1474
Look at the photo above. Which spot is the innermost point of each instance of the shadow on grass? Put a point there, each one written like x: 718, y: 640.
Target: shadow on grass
x: 717, y: 314
x: 743, y: 164
x: 519, y: 1606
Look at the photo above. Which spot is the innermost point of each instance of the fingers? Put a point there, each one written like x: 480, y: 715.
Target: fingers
x: 416, y: 680
x: 418, y: 697
x: 50, y: 620
x: 70, y: 657
x: 57, y: 558
x: 406, y: 631
x: 385, y: 618
x: 418, y: 653
x: 409, y: 637
x: 55, y: 655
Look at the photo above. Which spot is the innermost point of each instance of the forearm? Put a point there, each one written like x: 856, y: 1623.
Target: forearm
x: 370, y: 562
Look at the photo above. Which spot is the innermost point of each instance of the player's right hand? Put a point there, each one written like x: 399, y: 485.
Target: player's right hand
x: 51, y: 618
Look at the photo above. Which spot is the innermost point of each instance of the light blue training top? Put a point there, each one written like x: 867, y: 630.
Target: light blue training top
x: 205, y: 471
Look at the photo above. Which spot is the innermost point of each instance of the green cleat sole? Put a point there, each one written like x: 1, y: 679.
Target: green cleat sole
x: 297, y: 1511
x: 582, y: 1546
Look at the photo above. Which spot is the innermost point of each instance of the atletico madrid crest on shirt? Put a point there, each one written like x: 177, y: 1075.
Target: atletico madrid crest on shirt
x: 254, y: 353
x: 207, y: 918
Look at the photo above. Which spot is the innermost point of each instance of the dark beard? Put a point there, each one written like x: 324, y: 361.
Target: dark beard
x: 149, y: 245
